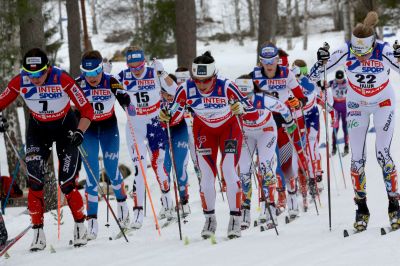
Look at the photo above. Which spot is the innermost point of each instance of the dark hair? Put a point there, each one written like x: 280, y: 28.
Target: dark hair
x: 94, y: 54
x: 299, y: 63
x: 205, y: 58
x: 173, y: 77
x: 282, y: 52
x: 181, y: 69
x: 248, y: 76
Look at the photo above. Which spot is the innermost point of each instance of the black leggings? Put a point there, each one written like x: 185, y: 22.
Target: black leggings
x: 39, y: 141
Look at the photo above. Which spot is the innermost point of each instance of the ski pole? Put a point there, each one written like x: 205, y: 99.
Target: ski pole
x: 14, y: 176
x: 175, y: 178
x: 326, y: 46
x: 22, y: 162
x: 102, y: 169
x: 340, y: 158
x: 143, y: 171
x: 84, y: 155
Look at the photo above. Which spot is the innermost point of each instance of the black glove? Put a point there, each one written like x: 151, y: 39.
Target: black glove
x: 3, y: 124
x: 396, y: 50
x: 323, y: 54
x: 303, y: 101
x: 76, y: 137
x: 123, y: 99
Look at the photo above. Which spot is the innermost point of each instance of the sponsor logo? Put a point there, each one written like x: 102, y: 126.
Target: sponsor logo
x: 67, y: 163
x: 111, y: 155
x: 388, y: 122
x: 100, y: 94
x: 372, y: 66
x: 32, y: 150
x: 352, y: 124
x: 352, y: 105
x: 128, y: 75
x: 78, y: 96
x: 182, y: 144
x: 385, y: 103
x: 230, y: 146
x: 33, y: 60
x: 271, y: 142
x: 192, y: 92
x: 214, y: 103
x: 33, y: 157
x: 354, y: 113
x: 276, y: 84
x: 203, y: 152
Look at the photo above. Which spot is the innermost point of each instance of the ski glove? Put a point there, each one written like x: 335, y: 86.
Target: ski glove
x: 323, y: 54
x: 291, y: 127
x: 164, y: 116
x: 158, y: 66
x: 396, y: 50
x: 123, y: 99
x: 294, y: 103
x: 3, y: 124
x: 237, y: 108
x: 77, y: 137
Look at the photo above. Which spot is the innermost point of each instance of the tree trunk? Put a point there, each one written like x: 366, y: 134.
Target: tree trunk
x: 267, y: 22
x: 74, y: 37
x: 87, y: 44
x: 31, y: 36
x: 93, y: 13
x: 60, y: 20
x: 296, y: 19
x: 305, y: 26
x: 185, y: 16
x: 289, y: 31
x: 347, y: 20
x: 237, y: 18
x: 252, y: 30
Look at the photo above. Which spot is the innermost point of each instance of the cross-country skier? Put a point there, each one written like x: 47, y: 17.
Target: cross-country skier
x: 47, y: 91
x: 281, y: 82
x: 261, y: 138
x: 339, y: 91
x: 143, y: 84
x: 180, y: 144
x: 101, y: 91
x: 216, y: 102
x: 367, y: 62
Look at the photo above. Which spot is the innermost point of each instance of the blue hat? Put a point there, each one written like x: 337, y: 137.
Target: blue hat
x: 90, y: 64
x: 135, y: 56
x: 268, y: 51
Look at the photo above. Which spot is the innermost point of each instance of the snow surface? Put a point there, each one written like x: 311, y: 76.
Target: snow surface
x: 307, y: 241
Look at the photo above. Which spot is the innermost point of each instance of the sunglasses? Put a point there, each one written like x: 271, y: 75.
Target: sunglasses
x: 361, y: 54
x: 268, y: 61
x: 35, y: 74
x: 203, y: 81
x: 92, y: 72
x: 138, y: 68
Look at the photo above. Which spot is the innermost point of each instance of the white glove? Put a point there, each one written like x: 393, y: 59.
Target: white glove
x: 237, y: 108
x: 158, y: 66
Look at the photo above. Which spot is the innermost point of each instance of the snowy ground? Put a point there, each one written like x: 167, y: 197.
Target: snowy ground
x: 307, y: 241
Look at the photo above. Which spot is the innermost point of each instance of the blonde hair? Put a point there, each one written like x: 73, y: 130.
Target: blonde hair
x: 299, y: 63
x: 366, y: 29
x: 134, y: 48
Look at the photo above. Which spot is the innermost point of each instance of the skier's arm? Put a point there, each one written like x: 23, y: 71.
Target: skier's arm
x: 78, y: 98
x: 118, y: 90
x: 166, y: 82
x: 233, y: 93
x: 178, y: 105
x: 389, y: 59
x: 274, y: 105
x: 10, y: 93
x: 336, y: 59
x: 294, y: 86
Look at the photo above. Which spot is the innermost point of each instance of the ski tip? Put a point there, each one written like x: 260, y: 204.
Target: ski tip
x: 71, y: 242
x: 52, y: 250
x: 262, y: 229
x: 255, y: 223
x: 6, y: 255
x: 345, y: 233
x: 383, y: 231
x: 213, y: 240
x: 110, y: 238
x: 186, y: 241
x: 287, y: 220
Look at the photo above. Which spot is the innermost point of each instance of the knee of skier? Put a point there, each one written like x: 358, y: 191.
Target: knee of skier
x: 35, y: 184
x: 67, y: 187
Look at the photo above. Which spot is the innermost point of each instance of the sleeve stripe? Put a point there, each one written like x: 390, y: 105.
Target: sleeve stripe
x: 337, y: 61
x: 395, y: 65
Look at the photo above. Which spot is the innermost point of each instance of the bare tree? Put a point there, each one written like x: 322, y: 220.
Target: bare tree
x: 305, y: 26
x: 347, y: 19
x: 74, y: 37
x: 289, y: 30
x: 93, y: 13
x: 185, y: 16
x: 296, y: 19
x: 252, y: 30
x: 32, y: 36
x: 237, y: 18
x: 87, y: 44
x: 267, y: 21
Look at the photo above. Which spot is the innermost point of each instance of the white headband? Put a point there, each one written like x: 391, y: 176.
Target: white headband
x: 361, y: 46
x: 182, y: 76
x: 203, y: 70
x: 245, y: 85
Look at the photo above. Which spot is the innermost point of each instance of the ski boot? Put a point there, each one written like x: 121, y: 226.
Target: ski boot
x: 281, y: 202
x: 210, y: 226
x: 39, y: 240
x: 362, y: 215
x: 394, y: 213
x: 80, y: 234
x: 123, y: 214
x: 346, y: 149
x: 234, y: 230
x: 167, y: 209
x: 293, y: 205
x: 246, y: 219
x: 137, y: 220
x: 334, y: 150
x: 93, y: 228
x: 312, y: 187
x: 184, y: 209
x: 320, y: 184
x: 262, y: 218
